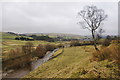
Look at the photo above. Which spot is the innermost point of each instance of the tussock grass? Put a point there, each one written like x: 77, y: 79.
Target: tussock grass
x: 111, y: 53
x: 57, y: 52
x: 62, y: 65
x: 74, y: 62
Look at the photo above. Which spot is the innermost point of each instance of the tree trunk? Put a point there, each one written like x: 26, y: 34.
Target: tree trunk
x: 93, y: 36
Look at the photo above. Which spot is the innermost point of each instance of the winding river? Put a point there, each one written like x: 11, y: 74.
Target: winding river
x: 35, y: 64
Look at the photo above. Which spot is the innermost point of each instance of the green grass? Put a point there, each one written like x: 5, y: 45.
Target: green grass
x: 62, y: 66
x: 7, y: 35
x: 8, y: 42
x: 74, y: 62
x: 7, y: 45
x: 11, y: 44
x: 57, y: 52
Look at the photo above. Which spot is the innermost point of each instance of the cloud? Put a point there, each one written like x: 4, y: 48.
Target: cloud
x: 51, y: 17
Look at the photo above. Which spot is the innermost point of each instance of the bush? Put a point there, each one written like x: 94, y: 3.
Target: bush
x: 16, y: 59
x: 24, y: 38
x: 14, y: 53
x: 60, y: 45
x: 75, y: 43
x: 28, y: 48
x: 102, y: 55
x: 40, y: 51
x: 112, y: 53
x: 19, y: 57
x: 16, y: 62
x: 106, y: 42
x: 17, y: 38
x: 50, y: 47
x: 115, y: 52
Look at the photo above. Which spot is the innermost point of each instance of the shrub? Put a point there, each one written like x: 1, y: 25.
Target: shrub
x: 75, y: 43
x: 14, y: 53
x: 115, y: 52
x: 28, y: 48
x: 17, y: 38
x: 106, y: 42
x: 19, y: 56
x: 60, y: 45
x: 16, y: 62
x: 102, y: 55
x: 16, y: 59
x: 40, y: 51
x: 111, y: 53
x: 50, y: 47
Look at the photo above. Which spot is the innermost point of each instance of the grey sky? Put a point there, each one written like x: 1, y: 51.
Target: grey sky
x: 53, y: 17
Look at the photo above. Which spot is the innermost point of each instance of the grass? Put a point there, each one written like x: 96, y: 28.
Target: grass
x: 57, y: 52
x: 7, y: 45
x: 8, y: 42
x: 74, y: 62
x: 11, y: 44
x: 62, y: 66
x: 7, y: 35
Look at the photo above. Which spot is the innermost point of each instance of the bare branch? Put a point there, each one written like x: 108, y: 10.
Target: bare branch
x: 93, y: 17
x: 83, y: 26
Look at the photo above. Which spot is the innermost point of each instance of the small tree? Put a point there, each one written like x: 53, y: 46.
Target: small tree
x: 93, y: 17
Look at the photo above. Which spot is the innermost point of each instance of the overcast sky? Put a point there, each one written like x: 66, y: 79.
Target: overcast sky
x: 53, y: 17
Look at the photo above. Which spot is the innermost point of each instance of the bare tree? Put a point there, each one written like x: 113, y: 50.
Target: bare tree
x: 93, y: 17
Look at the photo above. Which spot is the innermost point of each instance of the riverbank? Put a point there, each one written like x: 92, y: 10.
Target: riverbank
x: 23, y: 71
x: 75, y: 62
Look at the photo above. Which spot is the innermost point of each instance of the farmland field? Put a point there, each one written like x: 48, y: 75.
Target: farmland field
x: 9, y: 42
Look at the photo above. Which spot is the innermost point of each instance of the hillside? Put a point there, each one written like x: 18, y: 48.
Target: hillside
x: 65, y: 35
x: 74, y: 62
x: 7, y: 35
x: 12, y: 35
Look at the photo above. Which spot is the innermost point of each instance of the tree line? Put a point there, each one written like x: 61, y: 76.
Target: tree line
x: 43, y: 37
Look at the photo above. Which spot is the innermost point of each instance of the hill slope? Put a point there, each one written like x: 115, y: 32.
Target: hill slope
x: 65, y: 35
x: 74, y: 63
x: 7, y: 35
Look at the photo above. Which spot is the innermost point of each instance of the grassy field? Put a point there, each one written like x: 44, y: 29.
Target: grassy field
x: 8, y: 42
x: 74, y: 62
x: 11, y: 44
x: 58, y: 52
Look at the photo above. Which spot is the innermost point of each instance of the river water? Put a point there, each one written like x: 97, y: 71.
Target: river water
x: 35, y: 64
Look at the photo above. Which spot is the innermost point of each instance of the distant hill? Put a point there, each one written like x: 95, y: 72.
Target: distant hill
x: 11, y: 35
x: 75, y: 36
x: 6, y: 35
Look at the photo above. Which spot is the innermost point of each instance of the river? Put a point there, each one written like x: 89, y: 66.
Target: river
x: 35, y: 64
